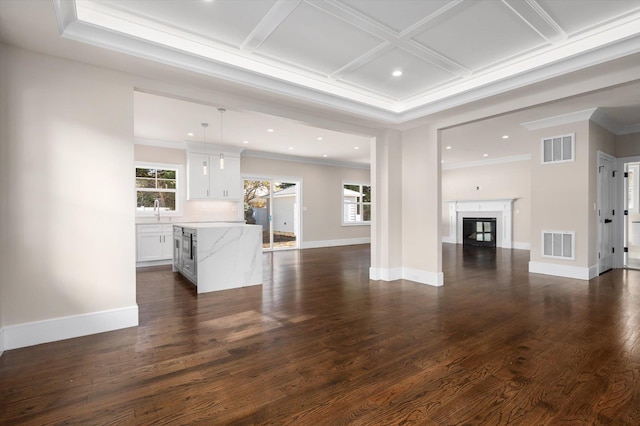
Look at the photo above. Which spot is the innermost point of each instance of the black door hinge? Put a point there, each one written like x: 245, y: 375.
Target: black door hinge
x: 614, y: 173
x: 613, y: 212
x: 626, y: 212
x: 626, y: 249
x: 626, y: 174
x: 613, y: 249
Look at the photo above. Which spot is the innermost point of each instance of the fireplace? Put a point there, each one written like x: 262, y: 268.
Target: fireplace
x: 479, y: 231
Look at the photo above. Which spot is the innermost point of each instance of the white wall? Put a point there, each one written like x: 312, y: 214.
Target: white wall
x: 67, y: 189
x: 496, y: 181
x: 421, y: 200
x: 560, y: 198
x: 321, y: 198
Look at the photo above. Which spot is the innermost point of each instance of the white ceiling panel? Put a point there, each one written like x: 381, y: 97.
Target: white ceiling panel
x: 311, y: 38
x: 574, y: 16
x: 228, y: 22
x: 396, y: 15
x: 479, y: 33
x: 417, y: 74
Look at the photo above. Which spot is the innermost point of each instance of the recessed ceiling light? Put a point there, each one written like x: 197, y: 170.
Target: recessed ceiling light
x: 442, y: 161
x: 190, y: 134
x: 485, y: 155
x: 448, y: 147
x: 505, y: 137
x: 319, y: 138
x: 396, y: 73
x: 356, y: 147
x: 290, y: 147
x: 270, y: 130
x: 245, y: 141
x: 325, y: 155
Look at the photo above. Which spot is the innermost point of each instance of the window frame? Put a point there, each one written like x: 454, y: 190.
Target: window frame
x: 359, y: 203
x: 179, y: 191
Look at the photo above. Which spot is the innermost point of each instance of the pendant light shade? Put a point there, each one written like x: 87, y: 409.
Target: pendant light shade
x: 222, y: 110
x: 204, y: 149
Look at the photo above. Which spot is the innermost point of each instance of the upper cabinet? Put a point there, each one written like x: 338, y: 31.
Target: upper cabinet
x: 210, y: 178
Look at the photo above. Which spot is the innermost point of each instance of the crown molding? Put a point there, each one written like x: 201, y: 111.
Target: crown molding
x: 596, y: 115
x: 121, y: 32
x: 558, y: 120
x: 628, y: 130
x: 159, y: 143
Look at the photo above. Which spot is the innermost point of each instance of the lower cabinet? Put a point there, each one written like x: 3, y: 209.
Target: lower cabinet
x: 154, y: 242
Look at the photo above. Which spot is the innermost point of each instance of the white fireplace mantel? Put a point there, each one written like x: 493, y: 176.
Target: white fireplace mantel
x: 501, y: 209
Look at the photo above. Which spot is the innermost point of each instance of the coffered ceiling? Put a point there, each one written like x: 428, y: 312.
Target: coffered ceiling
x: 344, y: 53
x: 315, y: 68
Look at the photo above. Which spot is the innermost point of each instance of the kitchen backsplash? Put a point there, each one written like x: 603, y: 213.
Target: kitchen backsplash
x: 202, y: 211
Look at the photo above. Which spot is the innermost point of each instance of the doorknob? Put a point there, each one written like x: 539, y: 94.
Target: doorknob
x: 608, y: 221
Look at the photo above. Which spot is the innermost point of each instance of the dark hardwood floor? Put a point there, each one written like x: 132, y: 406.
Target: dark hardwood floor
x: 320, y: 344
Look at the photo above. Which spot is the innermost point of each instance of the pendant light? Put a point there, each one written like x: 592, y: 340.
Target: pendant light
x: 222, y: 110
x: 204, y: 148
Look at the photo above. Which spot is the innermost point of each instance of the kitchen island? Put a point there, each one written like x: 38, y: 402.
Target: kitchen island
x: 218, y: 256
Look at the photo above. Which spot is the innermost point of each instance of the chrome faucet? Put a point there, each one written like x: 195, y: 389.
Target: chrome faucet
x: 156, y: 208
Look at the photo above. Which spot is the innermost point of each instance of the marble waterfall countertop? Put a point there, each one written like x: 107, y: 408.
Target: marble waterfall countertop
x: 229, y: 255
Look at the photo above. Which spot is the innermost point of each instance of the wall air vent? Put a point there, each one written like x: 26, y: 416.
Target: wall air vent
x: 558, y: 244
x: 558, y: 149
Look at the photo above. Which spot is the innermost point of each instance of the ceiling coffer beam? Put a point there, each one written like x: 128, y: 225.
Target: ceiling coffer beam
x: 276, y: 15
x: 538, y: 19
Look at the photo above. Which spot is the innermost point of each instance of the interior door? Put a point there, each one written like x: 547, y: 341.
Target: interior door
x: 606, y: 212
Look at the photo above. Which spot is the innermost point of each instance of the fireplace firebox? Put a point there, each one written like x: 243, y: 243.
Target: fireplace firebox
x: 479, y: 231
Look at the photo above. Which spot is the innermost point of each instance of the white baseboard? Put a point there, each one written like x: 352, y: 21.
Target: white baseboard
x: 1, y: 341
x: 522, y: 246
x: 391, y: 274
x: 154, y: 263
x: 35, y: 333
x: 566, y: 271
x: 449, y: 240
x: 385, y: 274
x: 335, y: 243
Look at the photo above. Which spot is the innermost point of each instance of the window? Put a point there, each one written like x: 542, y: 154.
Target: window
x: 157, y: 189
x: 356, y: 204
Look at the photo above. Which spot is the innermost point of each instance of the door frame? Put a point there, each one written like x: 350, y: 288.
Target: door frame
x: 610, y: 191
x: 620, y: 200
x: 299, y: 210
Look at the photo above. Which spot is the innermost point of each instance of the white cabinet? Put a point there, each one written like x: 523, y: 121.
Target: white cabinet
x: 226, y: 183
x: 198, y: 183
x: 154, y: 242
x: 217, y: 184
